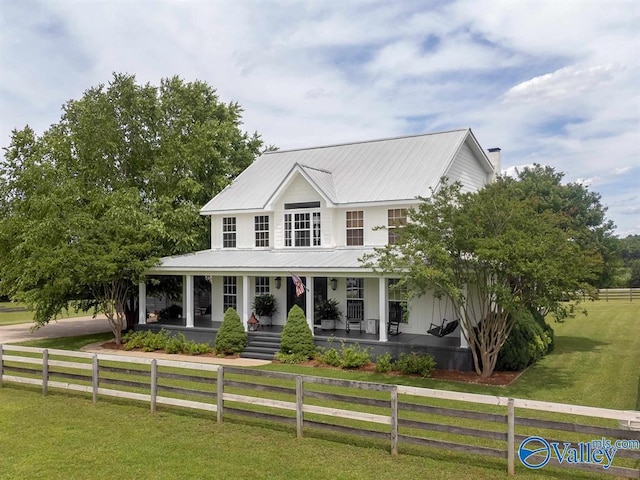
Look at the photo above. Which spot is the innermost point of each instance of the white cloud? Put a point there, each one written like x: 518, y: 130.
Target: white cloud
x: 550, y: 82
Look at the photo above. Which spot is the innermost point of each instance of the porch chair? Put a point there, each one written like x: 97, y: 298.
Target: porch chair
x: 395, y: 318
x: 355, y: 314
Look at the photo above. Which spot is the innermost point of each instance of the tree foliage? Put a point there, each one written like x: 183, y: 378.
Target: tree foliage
x: 515, y: 244
x: 94, y: 201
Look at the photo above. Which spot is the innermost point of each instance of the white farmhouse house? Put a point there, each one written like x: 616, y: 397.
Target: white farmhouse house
x: 312, y: 213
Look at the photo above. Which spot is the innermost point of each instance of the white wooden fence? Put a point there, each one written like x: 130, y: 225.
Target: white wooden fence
x: 395, y: 413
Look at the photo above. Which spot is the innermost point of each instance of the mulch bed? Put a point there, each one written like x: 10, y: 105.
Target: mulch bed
x: 501, y: 379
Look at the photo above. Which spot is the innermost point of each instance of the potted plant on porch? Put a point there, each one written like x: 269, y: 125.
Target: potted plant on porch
x: 328, y: 312
x: 265, y: 305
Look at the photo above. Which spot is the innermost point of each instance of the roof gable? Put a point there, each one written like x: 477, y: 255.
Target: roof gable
x: 386, y: 170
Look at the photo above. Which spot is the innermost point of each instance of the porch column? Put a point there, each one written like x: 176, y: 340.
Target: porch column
x: 463, y: 329
x: 382, y: 286
x: 245, y: 302
x: 188, y: 303
x: 309, y: 303
x: 142, y: 302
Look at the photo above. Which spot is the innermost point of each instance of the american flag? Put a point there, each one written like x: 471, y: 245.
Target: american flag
x: 298, y: 283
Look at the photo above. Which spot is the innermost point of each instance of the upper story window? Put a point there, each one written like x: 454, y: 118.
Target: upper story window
x: 262, y: 230
x: 228, y: 232
x: 355, y: 228
x: 302, y: 228
x: 397, y: 218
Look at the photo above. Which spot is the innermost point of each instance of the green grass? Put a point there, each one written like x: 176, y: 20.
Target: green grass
x: 596, y: 362
x: 64, y: 436
x: 26, y: 316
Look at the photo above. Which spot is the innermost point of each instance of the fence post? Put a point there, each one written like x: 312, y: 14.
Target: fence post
x: 1, y: 366
x: 394, y: 420
x: 511, y: 436
x: 219, y: 392
x: 94, y: 377
x: 299, y: 404
x: 154, y: 384
x: 45, y: 372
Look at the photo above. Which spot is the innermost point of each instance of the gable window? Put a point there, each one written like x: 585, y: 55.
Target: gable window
x: 230, y: 293
x: 302, y: 229
x: 355, y: 228
x: 229, y: 232
x: 262, y: 230
x: 397, y: 218
x: 262, y: 285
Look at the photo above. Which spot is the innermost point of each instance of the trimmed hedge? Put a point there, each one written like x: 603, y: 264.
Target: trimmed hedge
x: 296, y: 337
x: 231, y: 338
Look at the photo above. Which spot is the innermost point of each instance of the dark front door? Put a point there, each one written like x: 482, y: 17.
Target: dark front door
x: 319, y: 293
x: 292, y: 300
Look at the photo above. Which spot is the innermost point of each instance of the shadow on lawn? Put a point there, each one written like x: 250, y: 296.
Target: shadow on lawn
x: 540, y: 378
x: 571, y: 344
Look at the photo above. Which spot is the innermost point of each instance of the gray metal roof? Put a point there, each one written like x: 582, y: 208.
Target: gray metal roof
x: 375, y: 171
x: 337, y: 260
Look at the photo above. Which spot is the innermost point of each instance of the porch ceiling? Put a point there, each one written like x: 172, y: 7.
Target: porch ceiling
x: 337, y: 260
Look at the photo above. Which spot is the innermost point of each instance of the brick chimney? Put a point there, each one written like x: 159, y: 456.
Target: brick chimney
x: 494, y: 157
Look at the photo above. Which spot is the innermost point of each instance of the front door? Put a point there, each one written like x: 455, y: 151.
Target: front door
x: 319, y: 293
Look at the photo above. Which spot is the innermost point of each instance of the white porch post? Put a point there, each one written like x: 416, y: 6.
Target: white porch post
x: 382, y: 285
x: 309, y: 303
x: 188, y: 303
x: 463, y: 329
x: 245, y: 301
x: 142, y: 302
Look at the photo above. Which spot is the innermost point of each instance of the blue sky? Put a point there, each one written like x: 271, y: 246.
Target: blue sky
x: 551, y: 82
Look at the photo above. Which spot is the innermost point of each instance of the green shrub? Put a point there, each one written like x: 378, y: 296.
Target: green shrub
x: 149, y: 341
x: 420, y: 363
x: 146, y: 340
x: 384, y: 363
x: 330, y: 356
x: 526, y: 344
x: 354, y: 356
x: 296, y: 336
x: 231, y: 338
x: 291, y: 357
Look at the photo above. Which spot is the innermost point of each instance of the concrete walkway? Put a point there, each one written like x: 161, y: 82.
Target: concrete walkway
x: 75, y: 327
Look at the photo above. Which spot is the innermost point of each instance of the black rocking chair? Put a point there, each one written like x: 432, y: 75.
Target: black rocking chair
x: 395, y: 318
x: 443, y: 329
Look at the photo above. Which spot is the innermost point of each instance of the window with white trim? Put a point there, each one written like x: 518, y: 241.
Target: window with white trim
x: 355, y: 298
x: 229, y: 232
x: 262, y: 285
x: 355, y: 228
x: 261, y: 223
x: 229, y: 293
x: 397, y: 298
x: 302, y: 229
x: 397, y: 218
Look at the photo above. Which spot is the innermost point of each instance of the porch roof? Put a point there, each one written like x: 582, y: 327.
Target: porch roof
x: 338, y: 260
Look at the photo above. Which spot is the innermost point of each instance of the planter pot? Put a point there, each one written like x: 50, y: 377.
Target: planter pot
x: 328, y: 324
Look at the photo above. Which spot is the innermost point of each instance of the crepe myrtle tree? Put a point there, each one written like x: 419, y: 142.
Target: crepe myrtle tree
x: 491, y: 253
x: 117, y: 183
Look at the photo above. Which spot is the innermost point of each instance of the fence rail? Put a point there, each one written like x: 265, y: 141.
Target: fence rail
x: 611, y: 294
x: 395, y: 413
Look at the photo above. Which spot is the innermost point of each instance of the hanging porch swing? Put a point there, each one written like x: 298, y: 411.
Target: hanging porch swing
x: 446, y: 326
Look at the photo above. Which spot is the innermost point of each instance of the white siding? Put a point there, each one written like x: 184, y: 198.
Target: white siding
x: 466, y: 169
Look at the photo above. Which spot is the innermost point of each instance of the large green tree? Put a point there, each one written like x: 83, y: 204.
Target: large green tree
x: 118, y: 182
x: 492, y: 253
